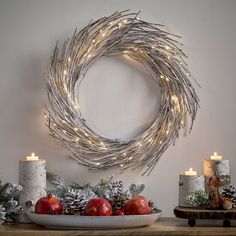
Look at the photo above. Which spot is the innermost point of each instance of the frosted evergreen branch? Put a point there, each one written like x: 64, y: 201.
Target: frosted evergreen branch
x: 9, y: 200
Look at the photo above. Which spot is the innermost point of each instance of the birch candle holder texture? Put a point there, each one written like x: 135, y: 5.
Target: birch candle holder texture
x: 219, y: 167
x: 189, y: 182
x: 32, y: 177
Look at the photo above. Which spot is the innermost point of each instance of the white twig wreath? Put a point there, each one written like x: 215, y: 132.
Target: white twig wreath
x: 117, y: 34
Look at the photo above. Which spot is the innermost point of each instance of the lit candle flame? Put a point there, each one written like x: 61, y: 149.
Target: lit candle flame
x: 190, y: 172
x: 216, y: 157
x: 32, y: 157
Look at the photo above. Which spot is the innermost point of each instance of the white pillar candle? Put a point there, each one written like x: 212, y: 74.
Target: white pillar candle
x: 189, y: 182
x: 32, y: 177
x: 219, y: 167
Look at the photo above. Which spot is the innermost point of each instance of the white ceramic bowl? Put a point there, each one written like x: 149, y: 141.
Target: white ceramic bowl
x: 109, y: 222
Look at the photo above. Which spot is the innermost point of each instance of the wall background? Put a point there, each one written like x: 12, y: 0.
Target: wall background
x: 28, y: 32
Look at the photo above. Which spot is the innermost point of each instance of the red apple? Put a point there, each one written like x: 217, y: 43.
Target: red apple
x: 48, y: 205
x: 98, y: 207
x: 138, y: 205
x: 118, y: 213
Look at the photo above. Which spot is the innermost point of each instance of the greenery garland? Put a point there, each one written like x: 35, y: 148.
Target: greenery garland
x: 9, y: 202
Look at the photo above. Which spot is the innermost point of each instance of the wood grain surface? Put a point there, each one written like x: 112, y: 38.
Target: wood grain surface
x: 165, y: 226
x: 191, y: 213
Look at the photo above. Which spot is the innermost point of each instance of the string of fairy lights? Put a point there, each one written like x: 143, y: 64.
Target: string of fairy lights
x: 121, y: 33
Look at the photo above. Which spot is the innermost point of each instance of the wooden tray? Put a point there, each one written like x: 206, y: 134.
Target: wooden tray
x: 193, y: 214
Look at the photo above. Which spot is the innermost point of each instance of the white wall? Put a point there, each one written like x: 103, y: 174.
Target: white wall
x: 28, y: 32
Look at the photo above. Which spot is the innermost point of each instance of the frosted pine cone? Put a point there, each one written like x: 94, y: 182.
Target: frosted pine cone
x: 76, y: 200
x: 2, y: 214
x: 230, y: 192
x: 118, y: 201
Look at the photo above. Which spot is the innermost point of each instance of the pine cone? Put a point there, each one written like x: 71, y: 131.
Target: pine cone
x: 76, y: 200
x: 230, y: 192
x: 118, y: 201
x: 2, y: 214
x: 117, y: 187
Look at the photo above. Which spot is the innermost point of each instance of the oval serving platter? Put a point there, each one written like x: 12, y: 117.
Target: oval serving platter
x: 91, y: 222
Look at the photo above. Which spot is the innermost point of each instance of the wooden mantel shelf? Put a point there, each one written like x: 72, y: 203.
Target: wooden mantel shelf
x: 165, y: 226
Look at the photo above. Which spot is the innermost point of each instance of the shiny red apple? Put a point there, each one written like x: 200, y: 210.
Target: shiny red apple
x: 138, y: 205
x: 98, y: 207
x: 48, y: 205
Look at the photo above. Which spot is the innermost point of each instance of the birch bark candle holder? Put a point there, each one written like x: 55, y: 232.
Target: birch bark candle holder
x: 32, y: 177
x: 189, y: 182
x: 219, y: 167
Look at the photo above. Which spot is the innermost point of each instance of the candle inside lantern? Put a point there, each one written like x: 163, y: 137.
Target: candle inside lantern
x: 190, y: 172
x: 216, y: 157
x: 32, y: 157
